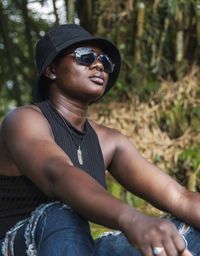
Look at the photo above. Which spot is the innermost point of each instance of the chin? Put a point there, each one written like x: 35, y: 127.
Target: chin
x: 94, y: 97
x: 93, y: 93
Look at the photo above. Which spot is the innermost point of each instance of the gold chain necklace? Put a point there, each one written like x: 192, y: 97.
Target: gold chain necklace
x: 68, y: 128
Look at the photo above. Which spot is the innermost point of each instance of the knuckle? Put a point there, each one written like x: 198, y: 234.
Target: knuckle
x: 146, y: 237
x: 166, y: 227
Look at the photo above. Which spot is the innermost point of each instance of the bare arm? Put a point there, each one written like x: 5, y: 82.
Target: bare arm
x: 147, y: 181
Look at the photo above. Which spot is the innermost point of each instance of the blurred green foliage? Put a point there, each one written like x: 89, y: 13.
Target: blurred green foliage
x: 175, y: 119
x: 190, y: 158
x: 189, y: 166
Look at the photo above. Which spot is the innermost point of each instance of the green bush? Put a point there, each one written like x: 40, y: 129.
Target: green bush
x: 189, y: 167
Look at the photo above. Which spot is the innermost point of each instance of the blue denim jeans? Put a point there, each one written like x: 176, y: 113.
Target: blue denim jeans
x: 56, y: 230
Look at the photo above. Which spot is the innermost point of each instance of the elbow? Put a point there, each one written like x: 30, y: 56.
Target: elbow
x: 181, y: 202
x: 54, y: 175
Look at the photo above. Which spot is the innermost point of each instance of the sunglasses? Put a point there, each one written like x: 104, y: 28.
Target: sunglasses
x: 87, y: 56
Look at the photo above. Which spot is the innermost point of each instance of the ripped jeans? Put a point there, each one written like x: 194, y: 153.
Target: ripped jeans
x: 54, y: 229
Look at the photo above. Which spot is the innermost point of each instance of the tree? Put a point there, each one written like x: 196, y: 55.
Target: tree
x: 4, y: 30
x: 70, y: 10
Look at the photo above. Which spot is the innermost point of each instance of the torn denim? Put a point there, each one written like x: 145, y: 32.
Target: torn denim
x: 7, y: 247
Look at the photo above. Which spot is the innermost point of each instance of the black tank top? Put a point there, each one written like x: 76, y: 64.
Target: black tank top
x: 19, y: 196
x: 69, y: 138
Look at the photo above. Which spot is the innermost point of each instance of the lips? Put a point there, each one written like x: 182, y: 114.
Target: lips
x: 97, y: 78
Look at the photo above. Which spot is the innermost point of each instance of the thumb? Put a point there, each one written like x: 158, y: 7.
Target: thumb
x: 186, y: 253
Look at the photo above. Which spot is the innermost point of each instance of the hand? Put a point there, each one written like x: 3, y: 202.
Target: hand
x: 147, y: 232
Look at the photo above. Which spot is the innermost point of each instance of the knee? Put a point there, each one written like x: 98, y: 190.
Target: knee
x: 62, y: 216
x: 60, y: 226
x: 55, y: 218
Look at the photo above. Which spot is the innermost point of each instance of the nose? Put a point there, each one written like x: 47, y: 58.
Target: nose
x: 97, y: 64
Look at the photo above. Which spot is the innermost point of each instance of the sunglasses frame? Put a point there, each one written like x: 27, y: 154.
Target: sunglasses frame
x: 81, y: 51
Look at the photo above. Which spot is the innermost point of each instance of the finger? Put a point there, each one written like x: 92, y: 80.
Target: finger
x: 159, y: 250
x: 170, y: 247
x: 186, y: 253
x: 179, y: 243
x: 147, y: 250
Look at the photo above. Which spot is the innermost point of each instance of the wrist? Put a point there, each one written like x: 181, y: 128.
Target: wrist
x: 127, y: 216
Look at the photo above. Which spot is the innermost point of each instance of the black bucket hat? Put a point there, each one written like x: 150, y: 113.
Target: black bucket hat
x: 60, y: 38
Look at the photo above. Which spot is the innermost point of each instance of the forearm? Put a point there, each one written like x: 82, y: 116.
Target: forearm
x: 188, y: 208
x: 88, y: 198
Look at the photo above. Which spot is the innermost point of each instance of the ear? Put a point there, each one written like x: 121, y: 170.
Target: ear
x: 50, y: 72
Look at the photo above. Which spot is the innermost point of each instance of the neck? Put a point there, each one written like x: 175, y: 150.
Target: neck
x: 74, y: 112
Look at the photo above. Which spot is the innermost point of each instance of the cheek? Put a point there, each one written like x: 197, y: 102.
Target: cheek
x: 71, y: 77
x: 67, y: 73
x: 106, y: 78
x: 77, y: 76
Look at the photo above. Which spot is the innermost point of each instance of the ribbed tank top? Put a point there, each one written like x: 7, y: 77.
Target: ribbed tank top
x: 68, y: 138
x: 19, y: 196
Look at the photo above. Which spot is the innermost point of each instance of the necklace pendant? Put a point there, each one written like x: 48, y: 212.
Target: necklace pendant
x: 80, y: 157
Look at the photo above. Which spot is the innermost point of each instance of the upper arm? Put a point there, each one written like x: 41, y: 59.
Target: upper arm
x: 29, y: 140
x: 141, y: 177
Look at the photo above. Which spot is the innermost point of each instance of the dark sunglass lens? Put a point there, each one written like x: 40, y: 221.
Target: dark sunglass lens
x: 107, y: 63
x: 85, y: 56
x: 86, y: 59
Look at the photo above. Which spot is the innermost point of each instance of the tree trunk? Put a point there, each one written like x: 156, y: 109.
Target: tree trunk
x: 140, y: 25
x: 28, y: 35
x: 65, y: 1
x: 179, y: 45
x: 198, y: 21
x: 70, y: 11
x: 157, y: 52
x: 27, y: 24
x: 85, y: 14
x: 55, y: 12
x: 179, y: 65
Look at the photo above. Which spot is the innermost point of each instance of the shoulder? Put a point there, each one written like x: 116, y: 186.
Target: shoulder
x: 110, y: 137
x: 106, y: 132
x: 24, y: 113
x: 24, y: 119
x: 108, y: 140
x: 114, y: 145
